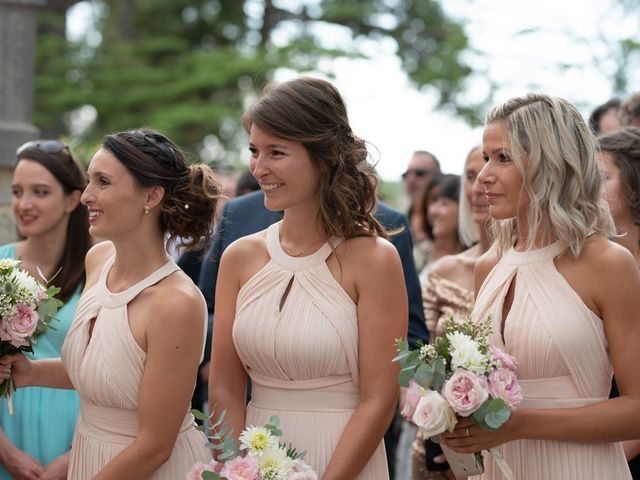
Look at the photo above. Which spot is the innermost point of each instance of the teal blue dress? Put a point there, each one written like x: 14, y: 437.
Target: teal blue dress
x: 44, y: 418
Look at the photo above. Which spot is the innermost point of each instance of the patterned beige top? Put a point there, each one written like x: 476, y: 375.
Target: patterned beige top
x: 441, y: 298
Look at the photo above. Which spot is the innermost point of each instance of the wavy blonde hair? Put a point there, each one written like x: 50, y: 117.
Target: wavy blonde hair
x: 556, y: 152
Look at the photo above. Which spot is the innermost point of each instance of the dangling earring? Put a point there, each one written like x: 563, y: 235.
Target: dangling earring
x: 146, y: 209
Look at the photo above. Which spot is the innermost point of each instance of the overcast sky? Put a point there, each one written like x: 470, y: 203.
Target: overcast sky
x: 388, y: 112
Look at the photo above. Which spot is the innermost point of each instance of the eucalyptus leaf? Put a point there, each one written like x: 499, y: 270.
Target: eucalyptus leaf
x: 424, y: 375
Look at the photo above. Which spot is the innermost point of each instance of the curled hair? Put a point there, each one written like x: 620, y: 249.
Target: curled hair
x: 191, y: 192
x: 624, y: 147
x: 468, y: 229
x: 312, y: 112
x: 68, y: 172
x: 553, y: 148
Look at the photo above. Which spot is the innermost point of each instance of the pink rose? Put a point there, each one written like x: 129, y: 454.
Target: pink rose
x: 301, y: 471
x: 241, y: 468
x: 199, y: 468
x: 20, y: 327
x: 503, y: 359
x: 465, y: 391
x: 503, y: 384
x: 411, y: 399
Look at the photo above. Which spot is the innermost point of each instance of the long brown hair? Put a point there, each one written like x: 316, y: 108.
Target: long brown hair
x: 69, y: 173
x: 311, y: 111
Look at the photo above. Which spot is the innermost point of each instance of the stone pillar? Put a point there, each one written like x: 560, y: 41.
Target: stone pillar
x: 17, y: 54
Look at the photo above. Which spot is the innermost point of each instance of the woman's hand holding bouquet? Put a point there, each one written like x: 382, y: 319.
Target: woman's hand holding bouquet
x: 459, y: 379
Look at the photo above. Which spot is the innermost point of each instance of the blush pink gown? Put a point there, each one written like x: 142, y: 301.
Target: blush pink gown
x: 303, y: 358
x: 561, y: 347
x: 106, y: 369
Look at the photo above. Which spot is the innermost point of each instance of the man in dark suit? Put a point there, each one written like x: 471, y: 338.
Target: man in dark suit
x: 246, y: 215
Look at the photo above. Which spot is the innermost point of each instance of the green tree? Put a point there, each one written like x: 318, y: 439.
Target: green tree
x: 188, y: 67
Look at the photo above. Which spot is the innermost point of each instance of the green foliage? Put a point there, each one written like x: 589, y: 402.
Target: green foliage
x: 187, y: 68
x: 492, y: 414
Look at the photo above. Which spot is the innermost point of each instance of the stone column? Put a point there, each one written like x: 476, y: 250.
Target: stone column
x: 17, y: 54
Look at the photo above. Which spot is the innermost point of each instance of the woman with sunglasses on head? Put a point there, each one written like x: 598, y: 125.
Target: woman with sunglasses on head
x: 562, y: 299
x: 137, y: 338
x: 54, y: 231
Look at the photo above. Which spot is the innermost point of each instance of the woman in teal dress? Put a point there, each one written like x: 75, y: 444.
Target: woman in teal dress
x: 54, y: 231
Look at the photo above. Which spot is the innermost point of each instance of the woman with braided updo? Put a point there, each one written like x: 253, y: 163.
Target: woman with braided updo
x: 309, y: 308
x: 134, y: 346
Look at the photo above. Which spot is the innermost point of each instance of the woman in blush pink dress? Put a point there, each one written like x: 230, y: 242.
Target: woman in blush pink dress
x: 310, y: 307
x: 552, y: 286
x: 134, y: 346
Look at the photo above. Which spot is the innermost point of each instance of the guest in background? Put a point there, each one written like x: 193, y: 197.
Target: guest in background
x: 448, y: 290
x: 441, y: 198
x: 605, y: 117
x: 423, y: 230
x: 422, y: 167
x: 629, y: 113
x: 620, y: 160
x: 54, y: 230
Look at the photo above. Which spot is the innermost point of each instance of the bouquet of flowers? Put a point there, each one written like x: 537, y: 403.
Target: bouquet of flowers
x: 261, y: 456
x: 459, y: 375
x: 26, y: 307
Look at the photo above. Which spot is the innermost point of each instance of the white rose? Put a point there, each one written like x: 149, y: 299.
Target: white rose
x: 433, y: 414
x: 465, y: 353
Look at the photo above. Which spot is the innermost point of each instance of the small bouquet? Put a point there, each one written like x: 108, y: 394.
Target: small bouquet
x: 459, y: 375
x: 260, y: 456
x: 26, y: 307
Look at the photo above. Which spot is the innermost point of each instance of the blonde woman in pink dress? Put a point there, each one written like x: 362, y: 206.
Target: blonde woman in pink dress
x: 310, y: 307
x: 563, y: 299
x: 135, y: 343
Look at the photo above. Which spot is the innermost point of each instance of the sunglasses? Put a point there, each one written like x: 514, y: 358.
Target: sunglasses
x: 418, y: 173
x: 47, y: 146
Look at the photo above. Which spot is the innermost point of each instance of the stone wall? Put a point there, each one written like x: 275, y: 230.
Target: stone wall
x: 17, y: 54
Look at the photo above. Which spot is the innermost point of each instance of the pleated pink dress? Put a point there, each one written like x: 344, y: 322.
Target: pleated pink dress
x: 561, y: 347
x: 302, y: 358
x: 106, y: 369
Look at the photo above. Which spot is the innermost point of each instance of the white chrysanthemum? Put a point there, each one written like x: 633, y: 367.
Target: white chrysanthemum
x: 26, y: 281
x: 8, y: 264
x: 465, y: 353
x: 257, y: 440
x: 275, y: 463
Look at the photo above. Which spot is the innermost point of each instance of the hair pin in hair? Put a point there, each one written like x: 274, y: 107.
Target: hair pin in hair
x: 186, y: 206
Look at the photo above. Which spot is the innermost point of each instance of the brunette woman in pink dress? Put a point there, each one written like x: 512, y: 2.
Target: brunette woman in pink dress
x: 562, y: 297
x: 310, y: 307
x: 135, y: 343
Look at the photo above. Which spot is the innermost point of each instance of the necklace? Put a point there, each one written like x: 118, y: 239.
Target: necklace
x: 303, y: 252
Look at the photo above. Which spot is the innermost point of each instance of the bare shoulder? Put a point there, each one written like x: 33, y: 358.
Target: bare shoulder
x: 175, y: 300
x: 368, y: 253
x: 607, y: 259
x: 246, y: 254
x: 447, y: 266
x: 95, y: 259
x: 483, y: 266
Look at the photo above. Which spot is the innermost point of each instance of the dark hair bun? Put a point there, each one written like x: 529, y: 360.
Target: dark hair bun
x: 188, y: 212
